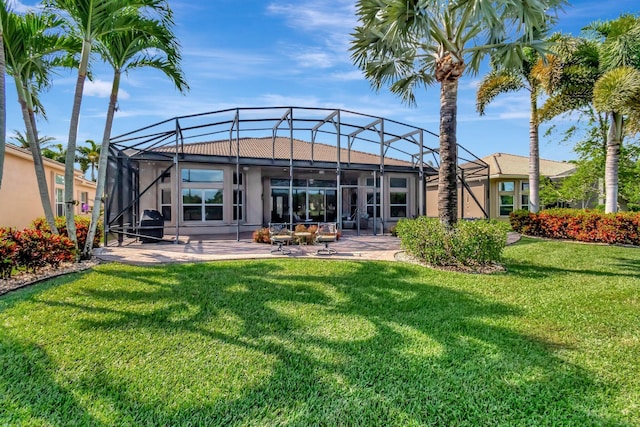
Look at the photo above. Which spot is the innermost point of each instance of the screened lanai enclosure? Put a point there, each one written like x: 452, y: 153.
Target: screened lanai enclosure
x: 237, y: 170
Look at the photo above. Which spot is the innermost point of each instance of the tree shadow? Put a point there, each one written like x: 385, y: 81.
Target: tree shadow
x: 270, y: 342
x: 28, y: 387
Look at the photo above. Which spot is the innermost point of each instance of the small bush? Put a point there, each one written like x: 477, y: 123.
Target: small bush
x: 261, y: 236
x: 470, y: 243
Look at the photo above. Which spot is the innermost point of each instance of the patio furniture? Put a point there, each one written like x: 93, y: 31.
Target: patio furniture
x: 327, y: 233
x: 280, y: 235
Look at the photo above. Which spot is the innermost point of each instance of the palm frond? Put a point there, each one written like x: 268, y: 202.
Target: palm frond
x: 494, y: 84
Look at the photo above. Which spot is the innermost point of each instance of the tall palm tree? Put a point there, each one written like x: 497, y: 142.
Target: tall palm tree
x: 407, y: 44
x: 503, y: 80
x: 90, y: 20
x: 600, y: 71
x: 150, y: 44
x: 617, y: 91
x: 31, y: 51
x: 88, y: 156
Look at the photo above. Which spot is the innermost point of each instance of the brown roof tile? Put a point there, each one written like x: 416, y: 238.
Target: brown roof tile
x: 264, y: 148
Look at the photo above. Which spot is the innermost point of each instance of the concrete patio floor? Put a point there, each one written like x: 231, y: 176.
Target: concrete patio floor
x: 209, y: 248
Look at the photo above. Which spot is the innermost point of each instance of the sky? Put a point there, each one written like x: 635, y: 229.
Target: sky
x: 273, y: 54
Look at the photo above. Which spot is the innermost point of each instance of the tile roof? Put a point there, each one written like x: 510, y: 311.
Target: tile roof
x: 264, y: 148
x: 511, y: 164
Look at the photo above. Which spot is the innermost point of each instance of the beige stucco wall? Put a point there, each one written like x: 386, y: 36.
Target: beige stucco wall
x: 19, y: 196
x: 467, y: 207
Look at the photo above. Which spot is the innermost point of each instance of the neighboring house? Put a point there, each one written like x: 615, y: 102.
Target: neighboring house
x: 508, y: 188
x: 20, y: 198
x: 289, y: 165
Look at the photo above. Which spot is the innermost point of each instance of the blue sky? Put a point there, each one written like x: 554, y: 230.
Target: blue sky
x: 265, y: 53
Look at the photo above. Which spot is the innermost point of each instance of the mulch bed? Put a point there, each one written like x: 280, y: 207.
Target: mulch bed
x: 23, y: 279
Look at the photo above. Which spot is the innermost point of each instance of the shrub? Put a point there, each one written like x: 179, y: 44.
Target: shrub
x: 8, y: 253
x: 581, y: 225
x: 82, y: 228
x: 261, y: 236
x: 469, y: 243
x: 37, y: 249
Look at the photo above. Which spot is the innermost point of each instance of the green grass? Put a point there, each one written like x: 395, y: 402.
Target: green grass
x: 554, y: 341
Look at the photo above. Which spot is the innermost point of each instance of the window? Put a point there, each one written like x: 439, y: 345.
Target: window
x: 371, y: 204
x: 59, y: 195
x: 238, y: 205
x: 507, y: 186
x: 202, y: 175
x: 235, y: 179
x: 313, y: 200
x: 165, y: 204
x: 84, y: 202
x: 199, y: 204
x: 398, y: 205
x: 398, y: 182
x: 59, y: 201
x: 524, y: 195
x: 506, y: 204
x: 506, y: 197
x: 370, y: 182
x: 398, y: 198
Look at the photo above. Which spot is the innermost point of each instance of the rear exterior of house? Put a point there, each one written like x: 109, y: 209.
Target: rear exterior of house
x: 20, y: 198
x: 284, y: 165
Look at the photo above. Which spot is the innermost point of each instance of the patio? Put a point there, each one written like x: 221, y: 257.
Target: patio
x: 227, y: 247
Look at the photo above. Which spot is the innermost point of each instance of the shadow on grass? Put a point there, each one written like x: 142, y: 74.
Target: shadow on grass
x: 294, y: 342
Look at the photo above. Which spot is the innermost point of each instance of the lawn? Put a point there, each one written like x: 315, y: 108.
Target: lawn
x: 553, y: 341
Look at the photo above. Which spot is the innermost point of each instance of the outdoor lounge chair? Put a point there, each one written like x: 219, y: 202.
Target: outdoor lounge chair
x: 327, y: 233
x: 280, y: 235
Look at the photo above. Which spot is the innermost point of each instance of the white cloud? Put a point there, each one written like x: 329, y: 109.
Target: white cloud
x: 324, y: 16
x: 102, y: 89
x: 348, y: 75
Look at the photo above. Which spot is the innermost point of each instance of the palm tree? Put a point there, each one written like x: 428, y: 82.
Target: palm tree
x: 502, y: 80
x: 31, y: 50
x: 407, y: 44
x: 601, y: 72
x: 23, y: 142
x: 617, y: 91
x: 88, y: 158
x: 149, y: 44
x: 57, y: 153
x: 90, y: 20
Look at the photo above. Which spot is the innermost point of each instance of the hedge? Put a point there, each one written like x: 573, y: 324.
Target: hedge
x: 580, y: 225
x: 32, y: 249
x: 36, y: 247
x: 82, y: 228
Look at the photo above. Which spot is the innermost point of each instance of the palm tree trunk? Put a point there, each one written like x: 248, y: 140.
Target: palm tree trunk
x: 102, y: 167
x: 3, y: 105
x: 69, y: 170
x: 447, y: 174
x: 41, y: 179
x: 614, y: 140
x: 534, y: 156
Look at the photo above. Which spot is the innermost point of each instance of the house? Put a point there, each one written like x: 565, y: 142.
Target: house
x: 505, y: 190
x: 238, y: 170
x: 20, y: 198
